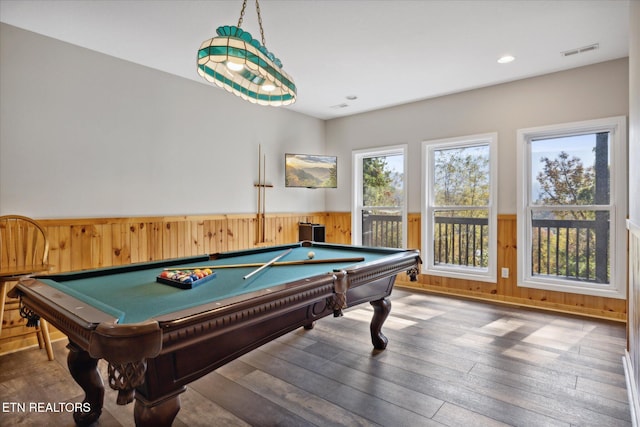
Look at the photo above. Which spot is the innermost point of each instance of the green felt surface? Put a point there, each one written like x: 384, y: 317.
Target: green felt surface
x: 136, y: 296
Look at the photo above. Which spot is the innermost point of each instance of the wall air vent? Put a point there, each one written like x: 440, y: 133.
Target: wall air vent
x: 580, y: 50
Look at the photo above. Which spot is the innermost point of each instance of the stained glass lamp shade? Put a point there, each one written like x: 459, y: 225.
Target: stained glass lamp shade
x: 238, y: 63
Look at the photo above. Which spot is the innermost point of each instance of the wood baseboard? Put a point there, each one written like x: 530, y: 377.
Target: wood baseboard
x: 515, y: 302
x: 634, y: 398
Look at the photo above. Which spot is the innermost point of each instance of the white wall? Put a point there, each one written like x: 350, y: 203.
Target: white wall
x: 84, y: 134
x: 590, y: 92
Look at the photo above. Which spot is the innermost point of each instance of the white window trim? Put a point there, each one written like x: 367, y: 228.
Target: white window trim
x: 490, y: 274
x: 357, y: 200
x: 617, y: 126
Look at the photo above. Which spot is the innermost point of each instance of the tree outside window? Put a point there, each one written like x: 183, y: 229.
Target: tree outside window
x: 459, y: 220
x: 382, y: 193
x: 571, y: 243
x: 572, y: 207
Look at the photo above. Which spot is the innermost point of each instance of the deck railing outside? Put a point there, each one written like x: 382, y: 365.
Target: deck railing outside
x: 571, y: 249
x: 461, y: 241
x: 561, y: 248
x: 381, y: 230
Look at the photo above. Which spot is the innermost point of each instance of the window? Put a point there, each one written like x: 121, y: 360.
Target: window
x: 572, y: 207
x: 459, y: 214
x: 379, y: 213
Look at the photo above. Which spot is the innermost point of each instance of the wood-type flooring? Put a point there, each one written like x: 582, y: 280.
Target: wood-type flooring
x: 449, y: 362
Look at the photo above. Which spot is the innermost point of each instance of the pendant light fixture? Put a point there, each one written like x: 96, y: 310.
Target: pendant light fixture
x: 240, y: 64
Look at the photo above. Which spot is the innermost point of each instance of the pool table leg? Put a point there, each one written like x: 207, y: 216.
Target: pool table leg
x: 84, y: 370
x: 381, y: 310
x: 310, y: 326
x: 157, y: 414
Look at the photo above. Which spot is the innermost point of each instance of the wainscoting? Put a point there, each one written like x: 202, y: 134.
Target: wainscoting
x: 507, y: 290
x: 77, y: 244
x: 632, y: 355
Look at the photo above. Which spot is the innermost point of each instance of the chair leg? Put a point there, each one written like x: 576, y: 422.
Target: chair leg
x: 44, y: 328
x: 42, y: 332
x: 40, y: 337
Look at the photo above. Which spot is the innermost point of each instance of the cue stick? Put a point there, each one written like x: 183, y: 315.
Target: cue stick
x: 268, y: 264
x: 275, y: 264
x: 259, y: 189
x: 264, y: 195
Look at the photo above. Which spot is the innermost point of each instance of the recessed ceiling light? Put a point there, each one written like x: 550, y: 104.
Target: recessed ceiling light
x: 506, y: 59
x: 351, y: 97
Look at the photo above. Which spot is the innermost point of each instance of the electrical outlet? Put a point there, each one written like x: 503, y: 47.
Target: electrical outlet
x: 505, y: 273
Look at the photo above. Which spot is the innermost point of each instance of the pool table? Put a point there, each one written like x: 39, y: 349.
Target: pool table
x: 157, y: 338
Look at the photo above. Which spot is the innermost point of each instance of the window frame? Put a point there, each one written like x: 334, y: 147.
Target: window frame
x: 617, y: 207
x: 356, y: 158
x: 490, y: 274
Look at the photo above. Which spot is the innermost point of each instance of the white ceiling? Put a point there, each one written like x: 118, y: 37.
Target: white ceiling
x: 384, y: 52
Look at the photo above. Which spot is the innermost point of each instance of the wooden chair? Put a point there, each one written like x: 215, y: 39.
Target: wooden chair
x: 24, y: 250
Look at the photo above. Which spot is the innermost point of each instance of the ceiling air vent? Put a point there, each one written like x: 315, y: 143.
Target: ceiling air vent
x: 580, y: 50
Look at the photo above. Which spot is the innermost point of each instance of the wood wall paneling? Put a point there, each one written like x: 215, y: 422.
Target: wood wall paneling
x: 507, y: 290
x: 77, y: 244
x: 632, y: 356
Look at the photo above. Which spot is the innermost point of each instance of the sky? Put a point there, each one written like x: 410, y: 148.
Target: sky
x: 581, y: 146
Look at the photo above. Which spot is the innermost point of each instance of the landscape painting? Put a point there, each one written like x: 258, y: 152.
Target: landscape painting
x: 311, y: 171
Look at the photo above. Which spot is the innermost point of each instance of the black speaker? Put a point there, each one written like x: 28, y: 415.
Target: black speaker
x: 313, y: 232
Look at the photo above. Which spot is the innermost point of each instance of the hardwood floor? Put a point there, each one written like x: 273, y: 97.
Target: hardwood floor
x: 449, y: 362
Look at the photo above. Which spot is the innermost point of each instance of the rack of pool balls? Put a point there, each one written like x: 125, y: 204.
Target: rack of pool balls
x: 186, y: 279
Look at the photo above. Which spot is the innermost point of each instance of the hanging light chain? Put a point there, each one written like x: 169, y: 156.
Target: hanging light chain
x: 244, y: 6
x: 260, y: 23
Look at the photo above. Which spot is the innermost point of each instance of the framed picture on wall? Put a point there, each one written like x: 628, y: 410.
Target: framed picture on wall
x: 311, y: 171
